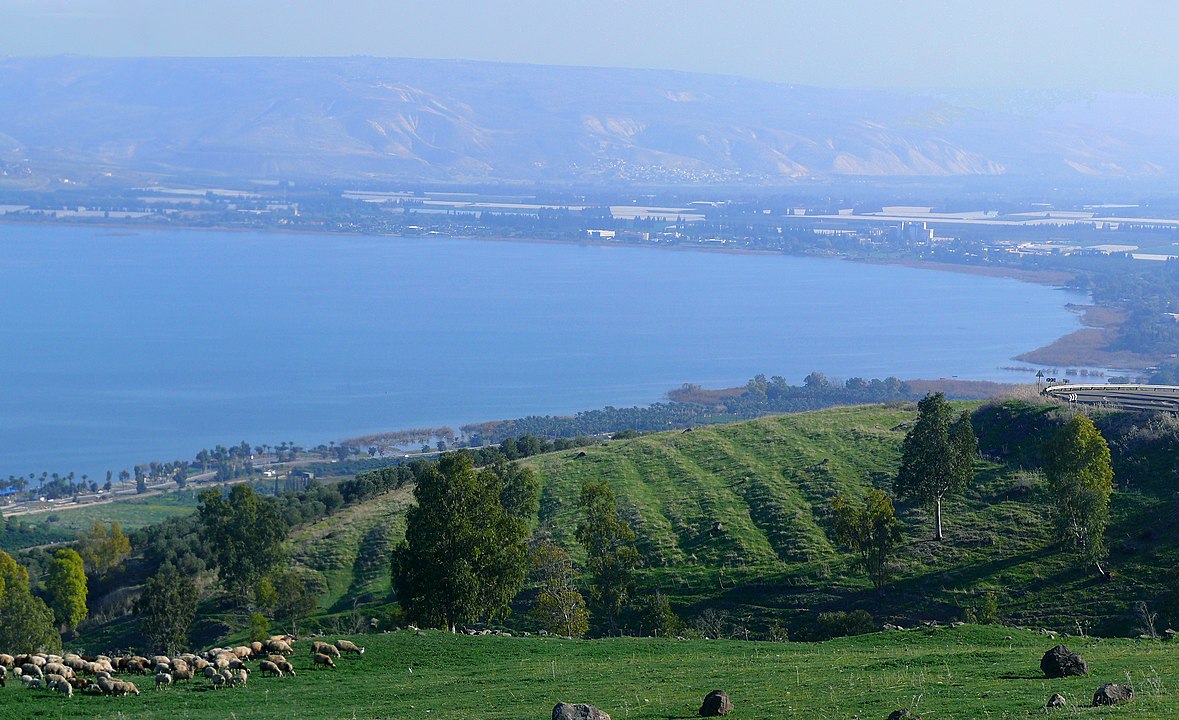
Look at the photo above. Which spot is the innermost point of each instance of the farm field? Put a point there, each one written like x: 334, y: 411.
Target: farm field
x: 943, y: 673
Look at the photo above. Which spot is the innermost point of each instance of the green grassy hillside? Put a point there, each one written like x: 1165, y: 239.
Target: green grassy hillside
x: 950, y: 673
x: 736, y: 517
x: 350, y: 550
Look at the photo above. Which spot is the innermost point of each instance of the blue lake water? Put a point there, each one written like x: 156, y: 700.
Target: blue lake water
x: 124, y: 348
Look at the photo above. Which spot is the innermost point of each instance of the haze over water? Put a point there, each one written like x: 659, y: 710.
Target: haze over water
x: 123, y: 348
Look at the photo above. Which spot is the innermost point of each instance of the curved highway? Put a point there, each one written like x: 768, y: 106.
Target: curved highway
x: 1164, y: 398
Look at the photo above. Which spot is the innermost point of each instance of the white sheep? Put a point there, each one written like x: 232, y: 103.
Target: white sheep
x: 267, y: 666
x: 163, y: 680
x: 349, y: 646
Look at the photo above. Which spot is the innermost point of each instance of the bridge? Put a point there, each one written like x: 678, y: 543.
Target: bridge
x: 1157, y: 398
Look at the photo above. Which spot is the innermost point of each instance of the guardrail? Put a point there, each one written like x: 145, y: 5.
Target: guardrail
x: 1158, y: 398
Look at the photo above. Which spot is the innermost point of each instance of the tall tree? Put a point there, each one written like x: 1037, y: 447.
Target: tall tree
x: 870, y: 529
x: 245, y: 531
x: 937, y: 456
x: 609, y: 544
x: 26, y: 623
x: 464, y: 556
x: 166, y: 610
x: 560, y: 607
x: 66, y: 586
x: 102, y: 548
x: 1077, y: 465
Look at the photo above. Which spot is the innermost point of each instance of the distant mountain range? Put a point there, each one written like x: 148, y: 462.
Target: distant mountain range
x: 354, y: 119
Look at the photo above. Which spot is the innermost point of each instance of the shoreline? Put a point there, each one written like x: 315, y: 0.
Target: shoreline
x: 1079, y: 349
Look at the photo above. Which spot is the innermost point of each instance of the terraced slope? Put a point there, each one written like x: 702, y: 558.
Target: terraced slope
x: 736, y: 517
x: 350, y: 550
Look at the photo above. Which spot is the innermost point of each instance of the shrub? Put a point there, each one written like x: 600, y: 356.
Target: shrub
x: 842, y: 624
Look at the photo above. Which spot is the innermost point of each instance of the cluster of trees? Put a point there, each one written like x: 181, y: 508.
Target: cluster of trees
x: 937, y: 458
x: 29, y: 623
x: 759, y: 396
x: 468, y: 550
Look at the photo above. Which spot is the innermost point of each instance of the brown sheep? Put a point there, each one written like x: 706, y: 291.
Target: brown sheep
x: 283, y: 664
x: 323, y: 648
x: 256, y: 649
x: 349, y: 646
x: 266, y: 666
x: 7, y: 661
x: 279, y: 646
x: 182, y: 674
x: 126, y: 688
x: 320, y: 659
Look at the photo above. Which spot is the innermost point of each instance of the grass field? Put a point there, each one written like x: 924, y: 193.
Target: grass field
x: 64, y: 522
x: 968, y: 672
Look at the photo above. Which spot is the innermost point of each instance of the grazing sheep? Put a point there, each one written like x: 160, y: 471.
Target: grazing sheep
x: 135, y: 668
x: 3, y: 676
x: 80, y: 683
x: 52, y: 679
x: 256, y: 649
x: 239, y: 678
x: 105, y: 684
x: 279, y: 646
x: 349, y: 646
x: 218, y: 681
x: 268, y: 667
x: 34, y: 683
x: 211, y: 672
x: 288, y: 639
x: 163, y: 679
x: 182, y: 674
x: 7, y: 661
x: 283, y: 664
x: 63, y: 687
x: 126, y: 688
x: 324, y: 649
x: 38, y: 660
x: 321, y: 659
x: 31, y: 670
x: 55, y: 669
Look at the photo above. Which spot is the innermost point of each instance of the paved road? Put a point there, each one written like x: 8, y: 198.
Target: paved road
x: 1129, y: 397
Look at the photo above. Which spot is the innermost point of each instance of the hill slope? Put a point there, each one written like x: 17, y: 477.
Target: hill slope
x: 737, y: 517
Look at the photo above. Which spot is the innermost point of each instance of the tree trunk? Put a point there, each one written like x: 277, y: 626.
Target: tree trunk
x: 939, y: 520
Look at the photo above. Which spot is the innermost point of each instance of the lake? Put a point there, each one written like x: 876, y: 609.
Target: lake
x: 122, y: 348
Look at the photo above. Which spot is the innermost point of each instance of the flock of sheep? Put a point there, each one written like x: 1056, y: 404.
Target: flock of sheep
x: 222, y: 667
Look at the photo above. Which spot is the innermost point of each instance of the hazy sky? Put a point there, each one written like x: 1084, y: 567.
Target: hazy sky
x: 982, y: 44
